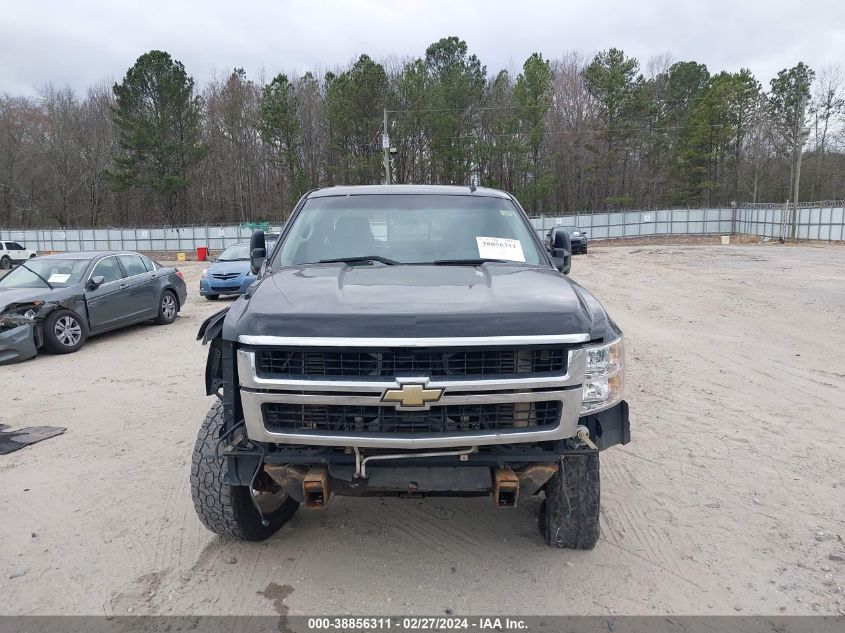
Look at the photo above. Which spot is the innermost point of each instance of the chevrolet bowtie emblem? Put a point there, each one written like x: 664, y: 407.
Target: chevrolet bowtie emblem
x: 412, y: 395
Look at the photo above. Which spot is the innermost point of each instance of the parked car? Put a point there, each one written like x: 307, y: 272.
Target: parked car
x: 58, y: 301
x: 13, y: 253
x: 577, y: 238
x: 229, y: 274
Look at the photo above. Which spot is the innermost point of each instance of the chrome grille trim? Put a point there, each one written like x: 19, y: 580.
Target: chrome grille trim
x: 247, y: 374
x: 256, y: 391
x: 459, y: 341
x: 256, y: 430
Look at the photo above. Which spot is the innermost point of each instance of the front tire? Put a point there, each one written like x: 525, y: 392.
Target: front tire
x: 5, y: 262
x: 212, y: 297
x: 569, y: 517
x: 230, y: 510
x: 64, y: 332
x: 168, y: 308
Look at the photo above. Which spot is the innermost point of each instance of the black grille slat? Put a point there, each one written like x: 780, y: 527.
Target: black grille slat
x: 391, y: 363
x: 453, y: 419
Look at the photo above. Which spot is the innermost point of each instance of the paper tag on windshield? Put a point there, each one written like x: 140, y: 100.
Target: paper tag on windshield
x: 500, y: 248
x: 57, y: 278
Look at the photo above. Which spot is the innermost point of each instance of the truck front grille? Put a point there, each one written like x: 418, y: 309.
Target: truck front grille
x: 523, y: 362
x: 453, y: 419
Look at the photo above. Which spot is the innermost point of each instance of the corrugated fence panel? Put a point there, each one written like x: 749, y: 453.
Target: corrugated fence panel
x: 814, y: 223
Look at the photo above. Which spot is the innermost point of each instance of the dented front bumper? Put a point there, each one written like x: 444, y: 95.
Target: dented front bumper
x: 17, y: 343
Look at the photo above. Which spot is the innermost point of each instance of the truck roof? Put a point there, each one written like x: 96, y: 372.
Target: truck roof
x: 443, y: 190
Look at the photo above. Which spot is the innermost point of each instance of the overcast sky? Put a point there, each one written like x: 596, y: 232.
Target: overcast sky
x: 83, y: 42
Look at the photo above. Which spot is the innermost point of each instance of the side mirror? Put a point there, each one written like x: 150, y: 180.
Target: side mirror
x: 561, y: 250
x: 257, y: 251
x: 563, y: 264
x: 96, y: 282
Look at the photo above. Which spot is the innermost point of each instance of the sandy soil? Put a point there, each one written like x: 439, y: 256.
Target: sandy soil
x: 729, y: 499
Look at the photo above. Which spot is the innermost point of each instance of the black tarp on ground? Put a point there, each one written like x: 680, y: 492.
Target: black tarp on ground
x: 11, y: 441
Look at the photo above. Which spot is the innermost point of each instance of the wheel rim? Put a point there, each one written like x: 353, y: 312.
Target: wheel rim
x: 168, y: 307
x: 68, y: 331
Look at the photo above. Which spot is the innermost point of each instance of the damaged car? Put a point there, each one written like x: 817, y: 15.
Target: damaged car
x: 58, y: 301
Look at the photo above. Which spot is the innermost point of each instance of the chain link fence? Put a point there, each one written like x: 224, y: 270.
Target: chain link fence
x: 814, y: 222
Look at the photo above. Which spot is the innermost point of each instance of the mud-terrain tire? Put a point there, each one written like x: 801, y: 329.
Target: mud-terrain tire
x: 228, y: 510
x: 569, y: 517
x: 64, y: 332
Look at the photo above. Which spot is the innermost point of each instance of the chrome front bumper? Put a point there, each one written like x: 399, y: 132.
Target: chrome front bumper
x: 256, y: 391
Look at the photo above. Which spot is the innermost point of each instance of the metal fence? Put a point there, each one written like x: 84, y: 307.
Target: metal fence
x: 623, y: 224
x: 813, y: 222
x: 169, y: 240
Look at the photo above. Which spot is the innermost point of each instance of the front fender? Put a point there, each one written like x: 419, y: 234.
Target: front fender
x: 211, y: 332
x: 212, y: 326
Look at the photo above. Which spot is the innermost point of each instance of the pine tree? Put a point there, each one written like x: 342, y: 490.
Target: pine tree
x: 157, y: 115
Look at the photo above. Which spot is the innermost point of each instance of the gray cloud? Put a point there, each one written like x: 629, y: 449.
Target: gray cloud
x: 88, y: 41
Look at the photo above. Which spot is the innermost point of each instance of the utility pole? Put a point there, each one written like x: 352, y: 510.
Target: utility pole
x: 385, y: 146
x: 803, y: 133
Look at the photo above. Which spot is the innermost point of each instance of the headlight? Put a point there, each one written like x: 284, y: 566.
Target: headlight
x: 605, y: 377
x: 204, y: 272
x: 22, y: 312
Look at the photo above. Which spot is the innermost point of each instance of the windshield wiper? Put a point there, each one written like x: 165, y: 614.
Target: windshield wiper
x: 364, y: 258
x: 468, y: 262
x: 49, y: 285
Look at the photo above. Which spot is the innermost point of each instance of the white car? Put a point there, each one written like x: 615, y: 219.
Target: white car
x: 13, y: 253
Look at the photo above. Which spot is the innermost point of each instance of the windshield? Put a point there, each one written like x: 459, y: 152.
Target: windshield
x: 59, y: 273
x: 235, y: 253
x: 409, y: 229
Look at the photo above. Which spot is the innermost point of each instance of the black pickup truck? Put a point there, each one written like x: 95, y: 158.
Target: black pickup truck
x: 409, y: 341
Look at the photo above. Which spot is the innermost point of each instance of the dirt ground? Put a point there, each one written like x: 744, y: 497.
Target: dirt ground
x: 729, y: 499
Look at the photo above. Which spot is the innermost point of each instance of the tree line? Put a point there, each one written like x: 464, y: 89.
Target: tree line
x: 565, y: 135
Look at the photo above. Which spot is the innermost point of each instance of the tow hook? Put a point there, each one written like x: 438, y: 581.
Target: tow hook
x: 315, y: 487
x: 583, y: 434
x: 505, y: 487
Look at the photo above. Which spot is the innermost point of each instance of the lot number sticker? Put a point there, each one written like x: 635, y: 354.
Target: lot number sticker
x: 500, y: 248
x: 58, y: 278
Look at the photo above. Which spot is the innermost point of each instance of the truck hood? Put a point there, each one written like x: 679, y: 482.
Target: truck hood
x: 411, y: 301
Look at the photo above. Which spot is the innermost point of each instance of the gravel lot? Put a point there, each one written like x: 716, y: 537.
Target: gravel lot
x: 729, y: 499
